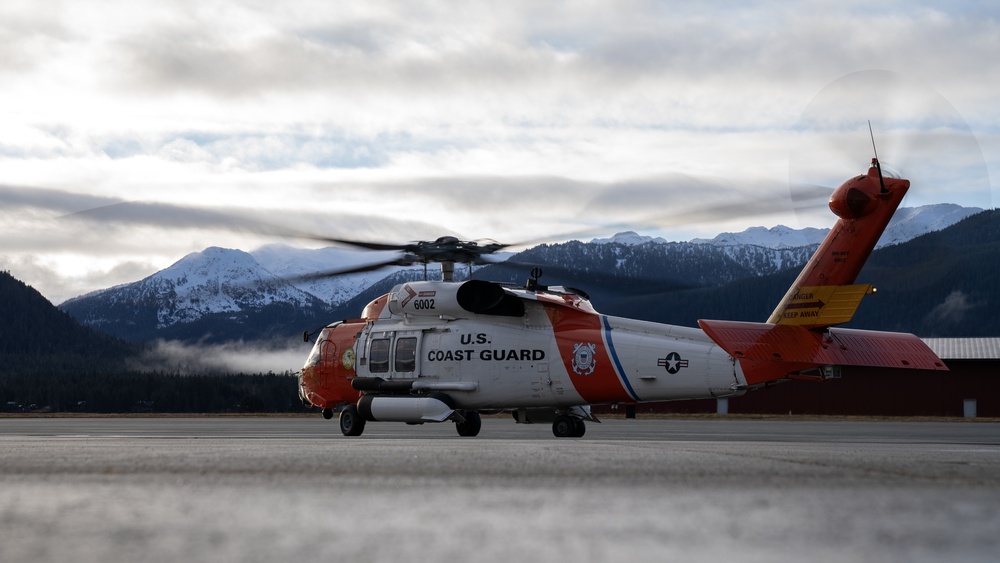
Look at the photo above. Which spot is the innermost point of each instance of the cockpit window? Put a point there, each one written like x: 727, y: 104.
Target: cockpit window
x: 406, y: 354
x: 378, y: 356
x: 315, y: 355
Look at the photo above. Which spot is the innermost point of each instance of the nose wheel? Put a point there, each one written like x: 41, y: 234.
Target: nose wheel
x: 565, y: 426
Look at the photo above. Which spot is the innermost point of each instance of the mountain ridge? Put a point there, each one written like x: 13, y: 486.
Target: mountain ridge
x: 203, y: 291
x: 224, y: 294
x: 941, y: 284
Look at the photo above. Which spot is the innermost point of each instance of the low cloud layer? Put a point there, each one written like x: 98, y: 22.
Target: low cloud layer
x: 235, y: 357
x: 952, y: 310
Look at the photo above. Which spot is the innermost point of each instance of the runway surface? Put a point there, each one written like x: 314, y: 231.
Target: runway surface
x: 281, y: 489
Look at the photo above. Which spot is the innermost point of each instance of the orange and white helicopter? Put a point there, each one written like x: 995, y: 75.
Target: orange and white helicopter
x: 437, y: 351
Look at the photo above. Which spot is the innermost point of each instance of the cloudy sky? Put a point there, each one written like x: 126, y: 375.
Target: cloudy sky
x: 515, y: 121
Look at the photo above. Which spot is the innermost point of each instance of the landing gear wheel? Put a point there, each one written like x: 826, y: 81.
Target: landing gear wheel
x: 351, y: 423
x: 580, y: 430
x: 472, y: 425
x: 328, y: 413
x: 564, y: 426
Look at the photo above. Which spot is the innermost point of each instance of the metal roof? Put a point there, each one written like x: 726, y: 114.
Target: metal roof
x: 965, y: 348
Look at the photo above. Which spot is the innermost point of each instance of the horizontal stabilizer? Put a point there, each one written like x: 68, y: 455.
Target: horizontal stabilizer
x: 772, y: 351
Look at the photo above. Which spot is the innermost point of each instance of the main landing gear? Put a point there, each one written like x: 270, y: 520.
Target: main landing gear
x: 472, y: 424
x: 352, y: 422
x: 565, y: 426
x: 569, y: 423
x: 566, y: 422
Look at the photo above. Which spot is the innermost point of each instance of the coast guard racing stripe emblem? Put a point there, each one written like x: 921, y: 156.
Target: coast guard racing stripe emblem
x: 583, y: 358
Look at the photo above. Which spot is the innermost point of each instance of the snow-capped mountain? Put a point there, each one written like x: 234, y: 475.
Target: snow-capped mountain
x: 910, y: 222
x: 907, y: 223
x: 775, y: 237
x: 629, y: 238
x: 673, y: 263
x: 652, y: 262
x: 290, y: 263
x: 217, y: 280
x: 216, y: 283
x: 225, y: 294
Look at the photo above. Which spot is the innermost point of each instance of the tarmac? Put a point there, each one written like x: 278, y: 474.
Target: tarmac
x: 279, y: 489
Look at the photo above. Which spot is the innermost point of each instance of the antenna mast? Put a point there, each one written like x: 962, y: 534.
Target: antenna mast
x: 875, y: 161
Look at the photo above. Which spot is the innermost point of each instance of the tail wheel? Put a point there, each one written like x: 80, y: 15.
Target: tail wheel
x: 472, y: 425
x: 351, y: 423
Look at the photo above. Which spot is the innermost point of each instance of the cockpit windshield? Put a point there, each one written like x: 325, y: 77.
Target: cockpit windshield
x: 316, y: 354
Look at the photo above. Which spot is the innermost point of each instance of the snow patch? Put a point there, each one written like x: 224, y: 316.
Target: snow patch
x: 776, y: 237
x: 629, y: 238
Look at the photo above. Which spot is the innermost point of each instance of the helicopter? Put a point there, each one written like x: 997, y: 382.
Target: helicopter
x: 449, y: 351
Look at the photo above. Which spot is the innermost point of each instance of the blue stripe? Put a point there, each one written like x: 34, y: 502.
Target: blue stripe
x: 614, y: 357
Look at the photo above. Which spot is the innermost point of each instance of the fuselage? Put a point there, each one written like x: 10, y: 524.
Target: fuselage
x: 550, y: 350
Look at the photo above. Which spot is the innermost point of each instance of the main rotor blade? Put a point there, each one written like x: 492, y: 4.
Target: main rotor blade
x: 802, y: 197
x: 595, y: 283
x: 173, y: 216
x: 402, y: 261
x: 358, y: 243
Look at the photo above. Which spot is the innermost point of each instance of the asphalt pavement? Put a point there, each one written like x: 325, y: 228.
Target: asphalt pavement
x: 279, y: 489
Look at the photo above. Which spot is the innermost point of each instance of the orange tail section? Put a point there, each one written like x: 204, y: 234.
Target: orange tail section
x: 865, y: 205
x: 797, y: 338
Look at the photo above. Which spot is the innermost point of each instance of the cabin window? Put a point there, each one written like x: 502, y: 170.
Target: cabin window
x: 406, y: 354
x: 378, y: 356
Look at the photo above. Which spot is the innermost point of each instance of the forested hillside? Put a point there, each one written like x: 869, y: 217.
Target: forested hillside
x: 49, y: 362
x: 940, y: 284
x: 36, y: 335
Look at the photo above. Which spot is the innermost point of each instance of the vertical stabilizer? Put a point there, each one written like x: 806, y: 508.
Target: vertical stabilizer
x: 824, y: 294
